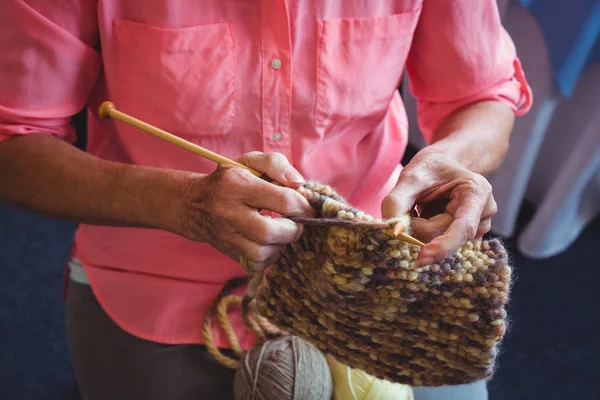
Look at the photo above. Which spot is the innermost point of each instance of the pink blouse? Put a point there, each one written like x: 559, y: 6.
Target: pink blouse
x: 314, y: 80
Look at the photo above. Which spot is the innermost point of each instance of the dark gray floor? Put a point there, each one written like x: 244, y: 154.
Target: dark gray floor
x: 33, y: 356
x: 550, y: 352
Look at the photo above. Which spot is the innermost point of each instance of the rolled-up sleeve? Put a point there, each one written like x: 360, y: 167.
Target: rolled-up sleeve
x: 48, y: 65
x: 460, y: 55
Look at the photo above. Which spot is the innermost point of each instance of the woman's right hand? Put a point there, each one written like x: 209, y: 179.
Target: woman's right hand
x: 222, y: 209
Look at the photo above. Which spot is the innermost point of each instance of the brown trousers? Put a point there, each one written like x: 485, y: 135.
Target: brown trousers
x: 110, y: 364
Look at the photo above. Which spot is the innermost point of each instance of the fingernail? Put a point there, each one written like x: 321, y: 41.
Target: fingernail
x: 288, y: 224
x: 293, y: 176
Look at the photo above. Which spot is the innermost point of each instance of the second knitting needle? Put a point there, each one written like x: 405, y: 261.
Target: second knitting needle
x: 108, y: 110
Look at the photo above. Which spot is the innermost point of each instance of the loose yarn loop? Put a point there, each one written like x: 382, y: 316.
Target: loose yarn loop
x: 262, y: 329
x: 353, y: 290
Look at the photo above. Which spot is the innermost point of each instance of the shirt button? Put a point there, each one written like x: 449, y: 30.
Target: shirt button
x: 276, y: 136
x: 276, y: 63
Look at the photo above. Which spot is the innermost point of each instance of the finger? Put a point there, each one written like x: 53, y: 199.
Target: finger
x: 427, y: 229
x: 452, y: 206
x: 267, y: 231
x: 275, y: 165
x: 259, y: 258
x: 400, y: 200
x: 468, y: 214
x: 463, y: 228
x: 484, y: 227
x: 443, y: 246
x: 256, y: 256
x: 240, y: 248
x: 240, y: 185
x: 284, y: 201
x: 491, y: 208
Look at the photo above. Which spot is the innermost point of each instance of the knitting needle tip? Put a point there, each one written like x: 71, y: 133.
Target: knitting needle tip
x: 399, y: 233
x: 398, y: 229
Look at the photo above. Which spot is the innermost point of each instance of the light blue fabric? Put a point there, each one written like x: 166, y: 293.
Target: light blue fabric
x: 572, y: 32
x: 472, y: 391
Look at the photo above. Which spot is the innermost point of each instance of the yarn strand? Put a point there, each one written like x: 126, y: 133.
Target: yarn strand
x: 226, y: 325
x: 219, y: 307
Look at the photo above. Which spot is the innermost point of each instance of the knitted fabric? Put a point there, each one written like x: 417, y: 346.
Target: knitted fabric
x: 353, y: 290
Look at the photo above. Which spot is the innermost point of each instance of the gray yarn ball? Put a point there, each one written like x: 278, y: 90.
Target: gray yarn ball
x: 286, y: 368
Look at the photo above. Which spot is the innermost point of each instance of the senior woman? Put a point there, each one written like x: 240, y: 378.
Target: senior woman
x: 296, y: 89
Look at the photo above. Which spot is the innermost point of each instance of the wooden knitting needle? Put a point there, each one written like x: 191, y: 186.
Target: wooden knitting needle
x: 108, y: 110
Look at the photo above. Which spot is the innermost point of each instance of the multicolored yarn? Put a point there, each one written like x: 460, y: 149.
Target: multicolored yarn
x: 353, y: 290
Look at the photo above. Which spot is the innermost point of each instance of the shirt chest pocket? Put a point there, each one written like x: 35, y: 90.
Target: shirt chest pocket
x: 181, y: 80
x: 359, y: 66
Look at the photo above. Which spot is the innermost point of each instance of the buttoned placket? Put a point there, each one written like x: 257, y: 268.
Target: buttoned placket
x: 276, y: 77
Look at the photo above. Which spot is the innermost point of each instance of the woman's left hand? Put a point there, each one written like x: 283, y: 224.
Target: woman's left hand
x: 456, y: 204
